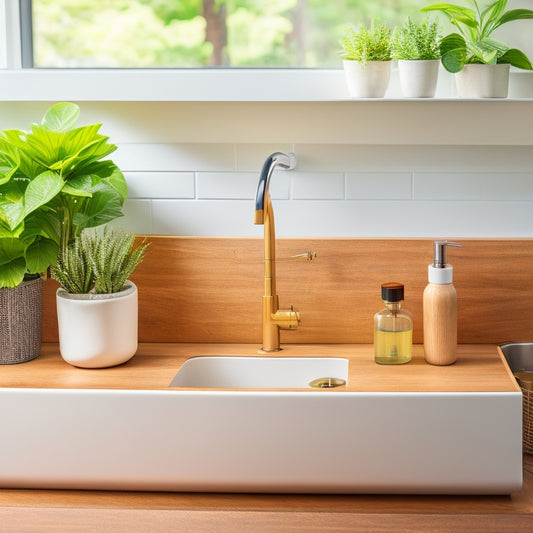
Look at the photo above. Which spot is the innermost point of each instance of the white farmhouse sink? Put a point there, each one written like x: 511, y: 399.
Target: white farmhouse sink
x: 261, y: 441
x: 254, y: 425
x: 260, y: 372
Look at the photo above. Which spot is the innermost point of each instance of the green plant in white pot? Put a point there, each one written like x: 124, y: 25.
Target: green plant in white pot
x: 366, y: 54
x: 96, y: 302
x: 480, y: 62
x: 416, y: 47
x: 54, y: 182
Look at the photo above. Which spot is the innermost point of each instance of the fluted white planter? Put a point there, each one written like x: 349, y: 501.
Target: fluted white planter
x: 98, y: 330
x: 483, y: 81
x: 370, y: 80
x: 418, y: 77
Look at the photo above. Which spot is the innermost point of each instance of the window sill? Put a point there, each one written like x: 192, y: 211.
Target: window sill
x: 210, y: 85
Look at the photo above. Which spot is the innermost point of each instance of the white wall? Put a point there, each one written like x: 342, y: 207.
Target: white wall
x: 366, y: 170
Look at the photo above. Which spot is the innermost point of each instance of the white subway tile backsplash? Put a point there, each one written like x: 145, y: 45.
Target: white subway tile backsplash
x: 160, y: 184
x: 137, y: 217
x: 336, y: 190
x: 403, y: 219
x: 473, y: 186
x: 226, y: 185
x: 224, y: 218
x: 422, y: 158
x: 239, y: 186
x: 379, y: 186
x: 175, y: 157
x: 447, y: 186
x: 310, y: 186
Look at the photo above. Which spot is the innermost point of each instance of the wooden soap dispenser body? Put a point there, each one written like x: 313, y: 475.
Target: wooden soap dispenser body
x: 440, y: 310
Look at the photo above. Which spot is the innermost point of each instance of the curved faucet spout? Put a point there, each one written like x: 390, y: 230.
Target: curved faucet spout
x: 274, y: 318
x: 277, y: 159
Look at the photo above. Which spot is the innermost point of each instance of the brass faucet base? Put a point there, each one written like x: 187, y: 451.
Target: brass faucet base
x: 262, y: 351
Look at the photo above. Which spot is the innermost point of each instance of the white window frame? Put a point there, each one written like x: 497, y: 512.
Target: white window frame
x: 198, y: 84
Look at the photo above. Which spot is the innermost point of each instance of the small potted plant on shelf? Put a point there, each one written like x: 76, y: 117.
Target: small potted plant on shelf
x: 366, y: 54
x: 416, y: 47
x: 96, y: 302
x: 480, y: 62
x: 53, y: 183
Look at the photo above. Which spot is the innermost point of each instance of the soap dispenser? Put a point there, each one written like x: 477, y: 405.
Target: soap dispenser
x: 440, y: 309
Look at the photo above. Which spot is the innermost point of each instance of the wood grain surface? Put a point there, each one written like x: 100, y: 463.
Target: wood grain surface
x: 38, y: 511
x: 478, y: 368
x: 195, y: 289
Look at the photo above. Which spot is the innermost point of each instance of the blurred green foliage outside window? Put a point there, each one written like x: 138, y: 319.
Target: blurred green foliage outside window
x: 201, y: 33
x: 218, y: 33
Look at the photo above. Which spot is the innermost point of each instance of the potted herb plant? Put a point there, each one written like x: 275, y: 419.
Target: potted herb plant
x: 480, y: 62
x: 96, y: 303
x: 54, y: 182
x: 366, y: 54
x: 416, y: 47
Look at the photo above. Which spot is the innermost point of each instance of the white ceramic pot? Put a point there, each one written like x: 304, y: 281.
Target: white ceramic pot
x: 483, y: 81
x: 418, y: 78
x: 368, y: 81
x: 97, y: 330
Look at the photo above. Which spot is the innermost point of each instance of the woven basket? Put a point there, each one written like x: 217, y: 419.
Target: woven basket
x: 21, y: 311
x: 527, y: 418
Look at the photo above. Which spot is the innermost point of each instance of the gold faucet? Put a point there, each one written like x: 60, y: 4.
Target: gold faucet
x: 274, y: 318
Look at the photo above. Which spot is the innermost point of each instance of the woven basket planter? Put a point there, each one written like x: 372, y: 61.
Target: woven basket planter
x: 21, y: 311
x: 527, y: 416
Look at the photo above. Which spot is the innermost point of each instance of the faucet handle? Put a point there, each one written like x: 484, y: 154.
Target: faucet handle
x: 307, y: 256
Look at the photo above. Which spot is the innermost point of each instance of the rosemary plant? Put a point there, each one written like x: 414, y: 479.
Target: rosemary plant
x: 98, y: 262
x: 417, y: 41
x: 367, y: 44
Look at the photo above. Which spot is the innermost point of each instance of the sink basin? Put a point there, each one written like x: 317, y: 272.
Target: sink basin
x: 261, y: 372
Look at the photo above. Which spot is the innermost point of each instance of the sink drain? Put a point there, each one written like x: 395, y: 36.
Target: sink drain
x: 327, y: 383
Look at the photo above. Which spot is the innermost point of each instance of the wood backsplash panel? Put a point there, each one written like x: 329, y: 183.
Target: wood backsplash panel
x: 198, y: 289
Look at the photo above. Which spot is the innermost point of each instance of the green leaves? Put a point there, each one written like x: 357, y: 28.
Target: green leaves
x: 40, y: 254
x: 12, y: 262
x: 514, y: 14
x: 61, y: 117
x: 53, y: 184
x: 12, y: 273
x: 475, y: 30
x: 41, y: 190
x: 516, y: 58
x: 453, y: 49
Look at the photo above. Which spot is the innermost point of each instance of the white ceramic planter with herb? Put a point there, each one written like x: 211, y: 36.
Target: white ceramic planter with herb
x: 416, y: 47
x: 97, y: 306
x: 480, y: 62
x: 53, y: 183
x: 366, y: 54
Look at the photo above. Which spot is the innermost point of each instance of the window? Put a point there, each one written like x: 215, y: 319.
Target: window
x: 199, y: 33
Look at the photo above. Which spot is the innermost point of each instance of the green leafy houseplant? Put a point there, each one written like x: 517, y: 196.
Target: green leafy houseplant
x: 98, y: 262
x: 54, y: 182
x: 474, y: 42
x: 367, y: 43
x: 416, y: 41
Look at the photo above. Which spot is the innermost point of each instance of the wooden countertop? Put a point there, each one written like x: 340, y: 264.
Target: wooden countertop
x: 478, y: 368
